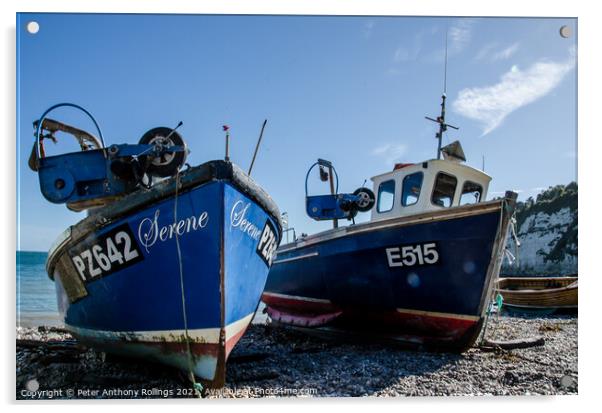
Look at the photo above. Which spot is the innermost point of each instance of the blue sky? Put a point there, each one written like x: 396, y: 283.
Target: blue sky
x: 353, y: 90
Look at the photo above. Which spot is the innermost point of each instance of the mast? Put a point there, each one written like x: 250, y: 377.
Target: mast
x: 441, y: 118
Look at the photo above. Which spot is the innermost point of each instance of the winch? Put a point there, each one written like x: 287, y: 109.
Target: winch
x: 335, y: 206
x: 97, y: 174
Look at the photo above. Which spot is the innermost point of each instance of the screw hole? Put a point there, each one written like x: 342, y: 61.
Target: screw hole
x: 33, y: 27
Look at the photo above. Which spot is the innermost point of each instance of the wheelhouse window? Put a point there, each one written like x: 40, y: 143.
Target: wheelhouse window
x: 443, y: 192
x: 386, y: 195
x: 471, y: 193
x: 410, y: 188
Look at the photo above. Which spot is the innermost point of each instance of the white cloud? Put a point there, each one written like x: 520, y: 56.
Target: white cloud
x: 485, y: 51
x: 490, y: 52
x: 459, y: 35
x: 490, y: 105
x: 367, y: 29
x: 390, y: 152
x: 403, y: 54
x: 505, y: 53
x: 411, y: 48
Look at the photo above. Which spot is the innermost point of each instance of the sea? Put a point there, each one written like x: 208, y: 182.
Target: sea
x: 36, y: 297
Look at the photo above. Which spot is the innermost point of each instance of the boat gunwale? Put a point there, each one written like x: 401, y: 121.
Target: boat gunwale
x: 430, y: 216
x: 541, y: 291
x: 522, y: 286
x: 194, y: 177
x: 540, y: 307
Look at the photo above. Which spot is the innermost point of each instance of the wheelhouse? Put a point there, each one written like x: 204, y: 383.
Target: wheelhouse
x: 427, y: 186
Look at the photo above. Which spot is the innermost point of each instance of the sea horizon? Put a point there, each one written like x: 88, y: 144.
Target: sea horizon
x: 36, y: 297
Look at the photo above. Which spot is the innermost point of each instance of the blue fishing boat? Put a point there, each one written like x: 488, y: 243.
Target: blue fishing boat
x: 420, y: 272
x: 169, y: 264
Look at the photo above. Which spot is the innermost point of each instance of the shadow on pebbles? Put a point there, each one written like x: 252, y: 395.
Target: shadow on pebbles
x: 276, y: 362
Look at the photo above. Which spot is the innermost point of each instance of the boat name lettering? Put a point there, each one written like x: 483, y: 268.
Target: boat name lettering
x: 149, y: 231
x: 266, y: 248
x: 412, y: 255
x: 106, y: 254
x: 238, y: 220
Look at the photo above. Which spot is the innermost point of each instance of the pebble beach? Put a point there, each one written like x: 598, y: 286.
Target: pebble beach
x: 275, y: 362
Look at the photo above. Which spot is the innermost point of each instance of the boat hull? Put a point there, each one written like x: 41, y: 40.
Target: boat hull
x: 191, y: 285
x: 355, y: 280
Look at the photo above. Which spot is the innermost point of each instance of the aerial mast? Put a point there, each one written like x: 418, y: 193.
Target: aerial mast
x: 441, y: 118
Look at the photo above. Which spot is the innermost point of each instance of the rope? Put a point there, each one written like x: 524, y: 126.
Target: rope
x: 491, y: 299
x: 198, y: 387
x: 515, y: 237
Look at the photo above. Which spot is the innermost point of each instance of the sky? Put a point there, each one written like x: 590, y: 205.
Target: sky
x: 353, y: 90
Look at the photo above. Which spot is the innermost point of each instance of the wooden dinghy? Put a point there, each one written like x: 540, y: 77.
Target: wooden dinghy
x: 539, y: 293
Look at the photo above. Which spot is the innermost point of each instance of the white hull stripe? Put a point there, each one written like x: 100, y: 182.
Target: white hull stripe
x: 298, y: 298
x: 300, y: 257
x: 238, y: 326
x: 203, y: 335
x: 437, y: 314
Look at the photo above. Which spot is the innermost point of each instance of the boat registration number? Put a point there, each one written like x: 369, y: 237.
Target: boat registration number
x: 106, y: 254
x: 412, y: 255
x: 268, y: 242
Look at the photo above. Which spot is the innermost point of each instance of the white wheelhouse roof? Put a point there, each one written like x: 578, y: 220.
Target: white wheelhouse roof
x: 430, y: 170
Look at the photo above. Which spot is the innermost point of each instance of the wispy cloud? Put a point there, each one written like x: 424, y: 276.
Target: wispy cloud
x: 410, y: 50
x: 390, y: 152
x: 367, y: 28
x: 505, y: 53
x: 404, y: 54
x: 492, y: 52
x: 485, y: 51
x: 490, y: 105
x: 459, y: 35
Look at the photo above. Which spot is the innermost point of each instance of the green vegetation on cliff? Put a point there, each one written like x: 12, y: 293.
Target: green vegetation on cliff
x: 549, y: 202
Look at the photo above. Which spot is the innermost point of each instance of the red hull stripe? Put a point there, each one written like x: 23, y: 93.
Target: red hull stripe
x: 434, y: 314
x: 231, y: 342
x: 197, y: 349
x: 310, y: 305
x: 301, y: 304
x: 302, y: 320
x: 311, y: 312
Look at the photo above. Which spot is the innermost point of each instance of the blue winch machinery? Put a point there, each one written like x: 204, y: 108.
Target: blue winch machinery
x: 98, y: 174
x: 335, y: 206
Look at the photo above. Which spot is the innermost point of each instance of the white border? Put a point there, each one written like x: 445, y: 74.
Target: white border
x: 589, y: 170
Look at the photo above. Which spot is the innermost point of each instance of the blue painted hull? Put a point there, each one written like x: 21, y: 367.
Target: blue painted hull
x: 143, y: 308
x: 354, y: 279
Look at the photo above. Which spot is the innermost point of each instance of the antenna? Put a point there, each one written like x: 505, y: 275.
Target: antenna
x: 257, y: 147
x: 441, y: 118
x: 226, y: 129
x: 174, y: 129
x: 445, y: 65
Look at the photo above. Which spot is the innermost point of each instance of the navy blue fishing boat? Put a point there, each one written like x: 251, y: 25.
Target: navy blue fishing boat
x: 171, y: 270
x: 421, y: 272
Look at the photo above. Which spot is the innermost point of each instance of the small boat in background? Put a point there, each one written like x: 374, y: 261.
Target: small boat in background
x: 539, y: 294
x: 168, y: 265
x: 421, y: 272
